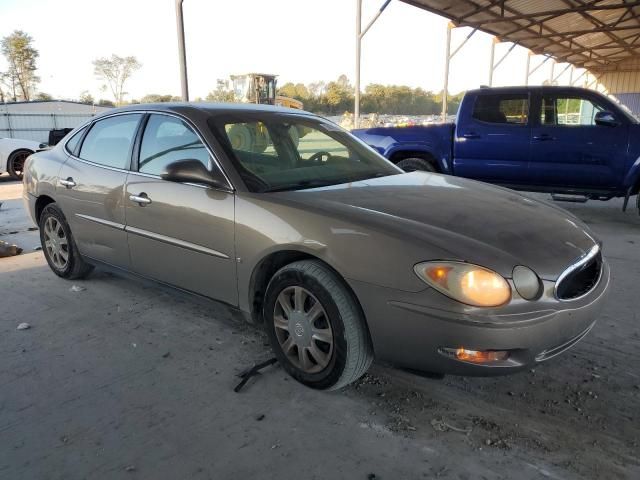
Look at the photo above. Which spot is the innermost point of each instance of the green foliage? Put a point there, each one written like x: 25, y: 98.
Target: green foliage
x: 115, y: 71
x: 86, y: 97
x: 105, y: 103
x: 157, y: 98
x: 43, y: 96
x: 337, y: 97
x: 222, y: 93
x: 20, y: 78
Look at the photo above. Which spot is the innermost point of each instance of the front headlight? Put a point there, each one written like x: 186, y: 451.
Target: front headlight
x: 465, y: 282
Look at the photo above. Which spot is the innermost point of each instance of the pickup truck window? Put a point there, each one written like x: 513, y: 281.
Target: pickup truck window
x: 568, y: 111
x: 509, y: 109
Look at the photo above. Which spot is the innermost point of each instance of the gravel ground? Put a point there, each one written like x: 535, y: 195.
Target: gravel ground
x: 125, y: 379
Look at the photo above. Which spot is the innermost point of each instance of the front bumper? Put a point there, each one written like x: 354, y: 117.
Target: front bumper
x: 409, y: 330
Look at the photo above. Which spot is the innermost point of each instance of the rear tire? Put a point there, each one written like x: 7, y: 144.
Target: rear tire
x: 15, y: 163
x: 316, y: 327
x: 414, y: 163
x: 58, y: 245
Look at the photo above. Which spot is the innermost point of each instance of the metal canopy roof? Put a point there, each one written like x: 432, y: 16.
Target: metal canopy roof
x: 594, y: 34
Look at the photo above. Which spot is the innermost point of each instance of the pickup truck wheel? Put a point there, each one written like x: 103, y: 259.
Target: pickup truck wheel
x: 315, y: 326
x: 412, y: 164
x: 15, y: 164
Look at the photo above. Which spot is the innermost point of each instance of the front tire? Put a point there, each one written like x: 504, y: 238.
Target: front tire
x: 58, y: 245
x: 15, y: 163
x: 316, y: 327
x: 412, y: 164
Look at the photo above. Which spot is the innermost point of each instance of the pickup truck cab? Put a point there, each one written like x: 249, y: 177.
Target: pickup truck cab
x: 561, y: 140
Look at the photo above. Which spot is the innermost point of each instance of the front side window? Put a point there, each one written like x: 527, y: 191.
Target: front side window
x: 109, y: 141
x: 503, y: 109
x: 568, y: 111
x: 166, y: 140
x: 290, y: 152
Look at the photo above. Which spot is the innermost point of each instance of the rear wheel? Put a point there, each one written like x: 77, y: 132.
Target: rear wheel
x: 414, y: 163
x: 315, y: 326
x: 15, y: 164
x: 58, y: 245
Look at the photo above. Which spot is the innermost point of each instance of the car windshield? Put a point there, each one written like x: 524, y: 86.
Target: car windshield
x: 279, y: 152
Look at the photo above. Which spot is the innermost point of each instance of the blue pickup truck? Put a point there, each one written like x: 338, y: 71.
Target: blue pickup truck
x: 566, y: 141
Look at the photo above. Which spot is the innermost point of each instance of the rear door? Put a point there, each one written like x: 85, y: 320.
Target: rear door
x: 491, y: 141
x: 180, y: 233
x: 91, y: 187
x: 568, y: 150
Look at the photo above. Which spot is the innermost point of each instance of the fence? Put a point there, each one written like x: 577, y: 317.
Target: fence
x: 36, y: 126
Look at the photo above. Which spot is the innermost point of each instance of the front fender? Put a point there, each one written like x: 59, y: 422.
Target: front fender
x: 632, y: 177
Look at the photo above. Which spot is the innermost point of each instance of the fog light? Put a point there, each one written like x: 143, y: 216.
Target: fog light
x: 476, y: 356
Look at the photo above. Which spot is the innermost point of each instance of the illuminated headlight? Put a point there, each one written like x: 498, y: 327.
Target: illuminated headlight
x: 466, y: 283
x: 526, y: 282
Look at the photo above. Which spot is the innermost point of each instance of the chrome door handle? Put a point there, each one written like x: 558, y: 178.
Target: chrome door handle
x: 470, y: 135
x: 141, y: 199
x: 544, y: 137
x: 69, y: 183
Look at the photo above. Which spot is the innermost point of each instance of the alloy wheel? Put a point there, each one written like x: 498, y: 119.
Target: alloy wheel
x: 56, y: 243
x: 303, y: 329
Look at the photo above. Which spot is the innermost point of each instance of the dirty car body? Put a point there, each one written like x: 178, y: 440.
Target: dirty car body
x: 300, y: 226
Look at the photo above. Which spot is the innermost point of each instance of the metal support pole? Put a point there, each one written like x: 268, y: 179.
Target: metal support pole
x: 552, y: 73
x: 531, y: 72
x: 182, y: 53
x: 526, y: 77
x: 449, y: 56
x: 579, y: 77
x: 359, y: 34
x: 447, y: 59
x: 573, y: 69
x: 356, y: 107
x: 491, y: 59
x: 500, y: 61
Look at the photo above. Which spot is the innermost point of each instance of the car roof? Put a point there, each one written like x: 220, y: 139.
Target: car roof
x: 525, y: 89
x: 212, y: 109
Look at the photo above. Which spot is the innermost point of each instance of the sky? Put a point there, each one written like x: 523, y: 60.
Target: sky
x: 299, y: 40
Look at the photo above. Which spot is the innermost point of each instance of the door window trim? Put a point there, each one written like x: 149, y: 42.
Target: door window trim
x: 134, y: 162
x: 213, y: 160
x: 569, y: 96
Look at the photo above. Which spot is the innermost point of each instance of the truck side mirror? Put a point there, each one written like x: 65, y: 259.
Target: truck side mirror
x: 606, y: 119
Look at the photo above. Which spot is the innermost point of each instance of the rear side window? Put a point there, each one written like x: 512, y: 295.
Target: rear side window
x: 502, y: 109
x: 166, y: 140
x: 109, y: 141
x: 73, y: 143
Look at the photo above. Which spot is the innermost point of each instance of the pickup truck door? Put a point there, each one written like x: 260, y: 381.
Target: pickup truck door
x: 491, y: 141
x: 569, y: 150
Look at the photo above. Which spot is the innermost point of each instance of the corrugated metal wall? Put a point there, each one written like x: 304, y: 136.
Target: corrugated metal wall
x: 624, y: 79
x: 631, y: 101
x: 34, y: 120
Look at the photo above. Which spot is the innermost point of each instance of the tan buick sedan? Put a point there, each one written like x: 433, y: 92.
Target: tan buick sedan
x: 340, y: 255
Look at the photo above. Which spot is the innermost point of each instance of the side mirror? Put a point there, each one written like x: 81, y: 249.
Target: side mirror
x: 606, y: 119
x: 193, y: 171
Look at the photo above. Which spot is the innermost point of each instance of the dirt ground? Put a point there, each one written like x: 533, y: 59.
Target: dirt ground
x: 126, y: 379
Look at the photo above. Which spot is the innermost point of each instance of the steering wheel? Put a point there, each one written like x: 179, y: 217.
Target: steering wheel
x: 318, y: 157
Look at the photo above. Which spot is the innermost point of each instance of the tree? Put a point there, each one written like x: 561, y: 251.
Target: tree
x: 105, y: 103
x: 86, y: 97
x: 157, y: 98
x: 21, y: 58
x: 222, y: 93
x: 115, y: 72
x: 43, y: 96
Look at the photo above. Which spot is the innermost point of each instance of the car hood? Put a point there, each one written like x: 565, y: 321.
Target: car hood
x: 464, y: 219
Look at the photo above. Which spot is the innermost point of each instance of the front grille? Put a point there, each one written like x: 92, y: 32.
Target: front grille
x: 581, y: 277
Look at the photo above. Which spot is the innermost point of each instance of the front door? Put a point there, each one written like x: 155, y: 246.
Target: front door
x: 568, y: 150
x: 492, y: 140
x: 180, y: 234
x: 92, y: 183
